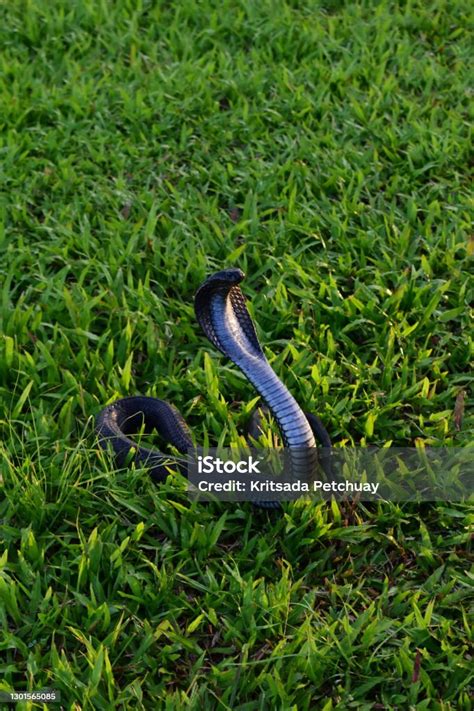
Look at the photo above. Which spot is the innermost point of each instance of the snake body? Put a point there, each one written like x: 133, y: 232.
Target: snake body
x: 223, y: 316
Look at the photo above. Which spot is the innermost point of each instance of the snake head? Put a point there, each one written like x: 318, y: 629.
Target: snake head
x: 225, y: 278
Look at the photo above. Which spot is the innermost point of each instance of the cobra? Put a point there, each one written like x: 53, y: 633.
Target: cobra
x: 220, y: 310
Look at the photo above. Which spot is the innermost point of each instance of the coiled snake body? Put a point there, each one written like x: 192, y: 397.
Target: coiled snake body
x: 222, y: 314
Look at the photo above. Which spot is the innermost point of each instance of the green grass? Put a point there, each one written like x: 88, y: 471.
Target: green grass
x: 324, y: 148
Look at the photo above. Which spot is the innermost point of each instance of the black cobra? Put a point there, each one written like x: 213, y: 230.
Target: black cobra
x: 222, y: 314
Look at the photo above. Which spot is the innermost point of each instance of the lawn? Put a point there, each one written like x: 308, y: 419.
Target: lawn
x: 324, y: 148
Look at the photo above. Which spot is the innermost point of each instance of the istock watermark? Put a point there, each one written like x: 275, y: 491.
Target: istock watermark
x: 365, y: 474
x: 216, y: 465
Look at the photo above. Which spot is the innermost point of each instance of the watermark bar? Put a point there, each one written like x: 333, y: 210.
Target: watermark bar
x: 42, y: 696
x: 362, y: 473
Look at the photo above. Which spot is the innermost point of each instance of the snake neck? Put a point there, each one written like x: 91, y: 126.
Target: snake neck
x: 228, y: 325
